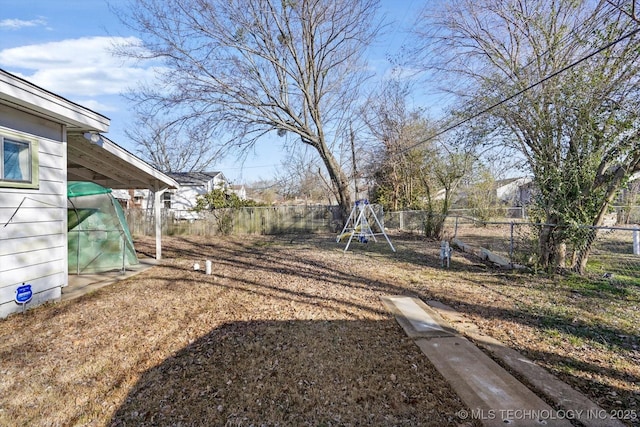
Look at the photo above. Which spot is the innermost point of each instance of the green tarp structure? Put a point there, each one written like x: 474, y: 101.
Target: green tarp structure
x: 98, y: 234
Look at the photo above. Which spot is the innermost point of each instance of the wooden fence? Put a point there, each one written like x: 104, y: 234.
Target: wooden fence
x: 256, y: 220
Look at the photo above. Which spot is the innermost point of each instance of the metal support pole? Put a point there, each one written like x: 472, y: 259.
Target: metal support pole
x: 511, y: 245
x: 455, y: 230
x: 124, y: 251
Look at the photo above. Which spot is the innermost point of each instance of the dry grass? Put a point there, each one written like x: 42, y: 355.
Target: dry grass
x: 291, y: 331
x: 281, y: 334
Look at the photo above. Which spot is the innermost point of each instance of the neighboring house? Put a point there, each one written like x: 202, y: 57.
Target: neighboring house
x: 133, y: 199
x: 46, y: 141
x: 631, y: 191
x: 514, y: 191
x: 510, y: 192
x: 123, y: 197
x: 239, y: 191
x: 192, y: 185
x: 440, y: 194
x: 180, y: 202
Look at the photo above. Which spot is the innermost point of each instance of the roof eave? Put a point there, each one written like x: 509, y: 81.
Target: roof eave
x: 163, y: 179
x: 27, y: 96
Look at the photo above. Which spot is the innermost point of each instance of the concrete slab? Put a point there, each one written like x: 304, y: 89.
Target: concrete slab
x: 85, y: 283
x: 416, y: 318
x: 456, y: 320
x: 575, y: 405
x: 494, y: 396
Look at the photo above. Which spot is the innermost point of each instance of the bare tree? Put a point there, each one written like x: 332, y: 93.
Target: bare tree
x: 560, y: 81
x: 480, y: 193
x: 244, y: 68
x: 445, y: 165
x: 264, y: 191
x: 302, y: 177
x: 393, y: 127
x: 164, y: 146
x: 412, y: 169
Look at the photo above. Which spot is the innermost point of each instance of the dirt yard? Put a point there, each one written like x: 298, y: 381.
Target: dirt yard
x: 290, y: 331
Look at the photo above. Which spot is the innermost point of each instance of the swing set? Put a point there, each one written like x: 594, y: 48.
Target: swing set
x: 358, y: 226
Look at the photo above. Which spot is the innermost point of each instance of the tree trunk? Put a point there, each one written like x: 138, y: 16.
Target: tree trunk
x: 547, y: 248
x: 562, y: 255
x: 583, y: 254
x: 339, y: 179
x: 585, y: 251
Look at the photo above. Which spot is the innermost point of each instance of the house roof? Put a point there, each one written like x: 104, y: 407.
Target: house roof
x: 101, y: 161
x: 517, y: 180
x: 194, y: 178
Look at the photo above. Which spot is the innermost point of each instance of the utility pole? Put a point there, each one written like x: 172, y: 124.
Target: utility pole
x: 353, y: 158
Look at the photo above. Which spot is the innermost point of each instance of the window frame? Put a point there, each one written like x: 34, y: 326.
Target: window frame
x: 34, y: 181
x: 167, y: 199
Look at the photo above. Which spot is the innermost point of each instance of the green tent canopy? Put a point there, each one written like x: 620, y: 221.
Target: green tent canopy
x: 98, y: 234
x: 85, y: 188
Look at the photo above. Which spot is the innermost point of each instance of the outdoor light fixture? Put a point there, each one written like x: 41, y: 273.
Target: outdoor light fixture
x: 93, y: 137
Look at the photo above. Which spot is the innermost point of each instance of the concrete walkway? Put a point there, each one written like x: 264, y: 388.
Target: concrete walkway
x: 85, y: 283
x: 493, y: 395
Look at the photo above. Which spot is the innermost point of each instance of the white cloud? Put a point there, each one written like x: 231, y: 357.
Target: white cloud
x: 78, y: 67
x: 16, y: 24
x: 66, y: 53
x: 89, y: 80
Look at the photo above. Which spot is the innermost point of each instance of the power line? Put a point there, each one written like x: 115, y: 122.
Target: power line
x: 528, y: 88
x: 252, y: 167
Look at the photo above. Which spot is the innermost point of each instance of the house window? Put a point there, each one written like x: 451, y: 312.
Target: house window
x: 18, y: 162
x: 167, y: 199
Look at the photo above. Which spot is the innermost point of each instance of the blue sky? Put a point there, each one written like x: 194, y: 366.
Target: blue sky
x: 64, y: 46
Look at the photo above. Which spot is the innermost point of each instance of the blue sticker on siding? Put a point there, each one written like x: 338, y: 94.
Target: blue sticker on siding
x: 23, y: 294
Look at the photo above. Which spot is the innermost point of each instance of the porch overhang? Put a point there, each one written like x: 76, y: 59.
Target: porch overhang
x: 93, y: 157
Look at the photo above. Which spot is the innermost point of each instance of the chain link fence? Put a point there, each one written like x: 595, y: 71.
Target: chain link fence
x: 614, y: 252
x: 510, y: 239
x: 414, y: 221
x: 411, y: 220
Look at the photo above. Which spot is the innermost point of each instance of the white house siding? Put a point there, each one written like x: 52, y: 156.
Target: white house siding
x: 239, y: 191
x: 511, y: 192
x: 185, y: 197
x: 33, y: 222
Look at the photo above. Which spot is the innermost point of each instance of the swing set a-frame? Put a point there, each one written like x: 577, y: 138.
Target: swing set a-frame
x: 358, y: 226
